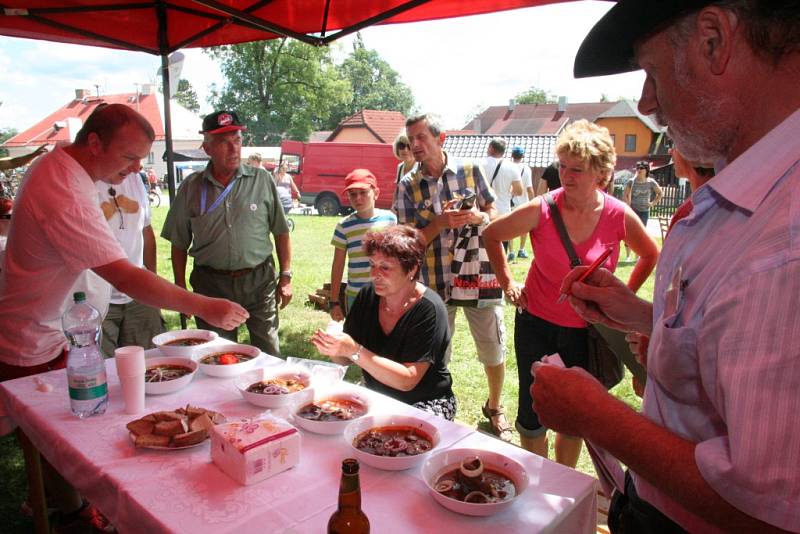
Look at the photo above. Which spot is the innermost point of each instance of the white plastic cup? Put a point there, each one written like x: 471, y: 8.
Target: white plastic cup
x: 130, y: 369
x: 334, y: 327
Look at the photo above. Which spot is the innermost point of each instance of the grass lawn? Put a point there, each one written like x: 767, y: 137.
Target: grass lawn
x: 312, y: 256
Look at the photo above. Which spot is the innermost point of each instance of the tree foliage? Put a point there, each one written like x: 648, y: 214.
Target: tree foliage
x: 374, y: 84
x: 534, y: 95
x: 5, y: 135
x: 280, y: 88
x: 186, y: 96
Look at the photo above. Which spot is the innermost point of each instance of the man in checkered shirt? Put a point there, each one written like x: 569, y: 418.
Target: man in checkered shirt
x: 426, y: 199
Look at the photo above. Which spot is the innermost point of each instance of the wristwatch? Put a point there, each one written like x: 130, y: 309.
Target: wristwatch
x: 287, y: 274
x: 356, y: 355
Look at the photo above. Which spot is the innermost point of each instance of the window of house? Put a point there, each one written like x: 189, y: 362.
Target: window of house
x: 614, y: 139
x: 151, y: 158
x: 630, y: 142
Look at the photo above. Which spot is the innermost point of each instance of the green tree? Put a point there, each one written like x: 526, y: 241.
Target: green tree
x: 280, y: 88
x: 5, y: 135
x: 374, y: 83
x: 186, y: 96
x: 534, y: 95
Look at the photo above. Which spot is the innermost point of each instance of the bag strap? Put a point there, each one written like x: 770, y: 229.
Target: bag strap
x: 574, y: 260
x: 496, y: 170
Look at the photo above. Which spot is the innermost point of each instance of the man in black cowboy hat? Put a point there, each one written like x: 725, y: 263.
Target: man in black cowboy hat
x: 226, y: 213
x: 716, y: 447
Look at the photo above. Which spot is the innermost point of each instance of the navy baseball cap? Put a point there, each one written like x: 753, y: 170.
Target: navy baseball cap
x: 517, y: 152
x: 609, y: 46
x: 221, y: 122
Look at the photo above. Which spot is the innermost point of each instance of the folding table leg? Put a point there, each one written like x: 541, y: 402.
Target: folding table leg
x: 36, y: 496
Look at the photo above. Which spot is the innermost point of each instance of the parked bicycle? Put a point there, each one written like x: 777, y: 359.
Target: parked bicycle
x: 154, y: 198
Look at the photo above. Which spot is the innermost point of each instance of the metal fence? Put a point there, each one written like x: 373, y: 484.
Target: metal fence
x: 674, y: 195
x: 675, y: 189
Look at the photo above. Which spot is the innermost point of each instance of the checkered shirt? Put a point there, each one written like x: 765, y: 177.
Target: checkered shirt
x: 421, y: 197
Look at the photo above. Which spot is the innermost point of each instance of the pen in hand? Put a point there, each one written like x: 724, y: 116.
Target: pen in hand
x: 592, y: 268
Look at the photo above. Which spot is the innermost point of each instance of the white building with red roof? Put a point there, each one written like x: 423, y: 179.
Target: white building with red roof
x: 63, y: 124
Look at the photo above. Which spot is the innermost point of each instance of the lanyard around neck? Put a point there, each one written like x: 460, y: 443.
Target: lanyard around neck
x: 220, y: 198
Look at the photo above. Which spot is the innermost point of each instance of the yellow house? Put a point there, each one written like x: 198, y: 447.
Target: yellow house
x: 635, y: 135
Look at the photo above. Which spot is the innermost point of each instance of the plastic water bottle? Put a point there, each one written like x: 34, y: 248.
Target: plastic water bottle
x: 86, y: 369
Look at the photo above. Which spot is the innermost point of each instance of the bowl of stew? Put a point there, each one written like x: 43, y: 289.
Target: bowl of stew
x: 183, y: 343
x: 330, y: 411
x: 227, y: 360
x: 391, y: 442
x: 474, y: 481
x: 164, y: 375
x: 275, y: 387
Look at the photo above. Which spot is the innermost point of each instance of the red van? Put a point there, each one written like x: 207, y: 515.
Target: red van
x: 319, y: 170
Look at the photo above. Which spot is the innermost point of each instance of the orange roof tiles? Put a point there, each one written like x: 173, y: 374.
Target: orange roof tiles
x: 384, y: 125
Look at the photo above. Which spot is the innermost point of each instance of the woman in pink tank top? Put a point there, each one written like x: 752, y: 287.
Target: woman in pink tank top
x: 594, y: 221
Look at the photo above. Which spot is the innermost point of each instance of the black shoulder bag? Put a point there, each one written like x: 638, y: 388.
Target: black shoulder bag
x: 496, y: 170
x: 601, y: 361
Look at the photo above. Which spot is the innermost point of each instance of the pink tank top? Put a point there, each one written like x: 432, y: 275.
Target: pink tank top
x: 551, y: 262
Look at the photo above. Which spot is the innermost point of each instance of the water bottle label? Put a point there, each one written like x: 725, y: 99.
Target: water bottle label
x: 87, y: 387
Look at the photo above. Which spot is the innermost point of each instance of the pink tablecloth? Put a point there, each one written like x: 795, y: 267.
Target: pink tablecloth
x: 182, y: 491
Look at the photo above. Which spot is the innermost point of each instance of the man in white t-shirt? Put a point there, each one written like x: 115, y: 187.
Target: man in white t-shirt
x: 58, y: 231
x: 127, y: 210
x: 517, y: 153
x: 504, y: 178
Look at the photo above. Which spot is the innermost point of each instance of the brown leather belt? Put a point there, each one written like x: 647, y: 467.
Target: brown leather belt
x: 233, y: 274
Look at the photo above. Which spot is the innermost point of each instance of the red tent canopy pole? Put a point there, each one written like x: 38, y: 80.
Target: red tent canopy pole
x: 380, y: 17
x: 259, y: 23
x: 163, y: 42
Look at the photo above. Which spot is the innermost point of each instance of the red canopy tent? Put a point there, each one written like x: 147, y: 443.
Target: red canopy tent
x: 163, y: 26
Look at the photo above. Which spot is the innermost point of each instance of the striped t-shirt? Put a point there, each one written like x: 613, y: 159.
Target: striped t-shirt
x: 348, y: 236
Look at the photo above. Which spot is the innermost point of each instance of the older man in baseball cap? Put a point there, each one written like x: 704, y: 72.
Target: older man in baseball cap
x: 223, y: 216
x: 716, y: 448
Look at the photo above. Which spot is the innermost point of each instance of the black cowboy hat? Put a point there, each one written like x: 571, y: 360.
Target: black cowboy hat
x: 608, y: 48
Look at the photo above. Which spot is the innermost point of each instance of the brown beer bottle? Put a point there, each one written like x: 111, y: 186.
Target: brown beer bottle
x: 348, y: 518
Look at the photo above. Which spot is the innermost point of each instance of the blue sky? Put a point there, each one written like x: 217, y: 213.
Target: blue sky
x: 505, y: 52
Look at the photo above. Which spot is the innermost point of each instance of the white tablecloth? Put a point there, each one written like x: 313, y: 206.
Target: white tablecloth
x: 182, y: 491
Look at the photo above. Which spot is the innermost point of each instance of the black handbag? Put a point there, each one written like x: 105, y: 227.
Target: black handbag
x: 601, y: 361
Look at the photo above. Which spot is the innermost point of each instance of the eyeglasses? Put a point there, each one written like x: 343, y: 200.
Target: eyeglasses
x: 402, y: 146
x: 113, y: 193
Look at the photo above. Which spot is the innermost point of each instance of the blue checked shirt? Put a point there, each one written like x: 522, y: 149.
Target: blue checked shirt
x: 420, y: 198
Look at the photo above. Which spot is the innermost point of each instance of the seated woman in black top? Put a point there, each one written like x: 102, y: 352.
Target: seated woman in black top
x: 397, y: 330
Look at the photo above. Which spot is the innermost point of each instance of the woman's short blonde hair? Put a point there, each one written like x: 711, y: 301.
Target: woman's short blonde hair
x: 589, y: 142
x: 401, y: 139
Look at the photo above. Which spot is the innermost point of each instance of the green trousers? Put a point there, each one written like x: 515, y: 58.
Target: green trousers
x: 130, y: 324
x: 255, y: 292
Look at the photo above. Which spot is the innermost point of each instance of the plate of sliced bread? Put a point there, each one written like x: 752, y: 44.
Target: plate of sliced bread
x: 177, y: 429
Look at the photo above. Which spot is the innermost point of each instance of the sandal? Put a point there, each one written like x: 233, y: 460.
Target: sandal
x: 497, y: 421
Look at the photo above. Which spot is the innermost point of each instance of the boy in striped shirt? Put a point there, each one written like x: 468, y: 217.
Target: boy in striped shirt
x: 362, y: 190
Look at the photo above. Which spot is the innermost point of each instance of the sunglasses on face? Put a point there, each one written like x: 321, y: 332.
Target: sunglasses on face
x: 402, y: 146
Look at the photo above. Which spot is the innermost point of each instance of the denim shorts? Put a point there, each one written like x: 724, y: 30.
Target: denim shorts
x: 534, y: 338
x: 643, y: 215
